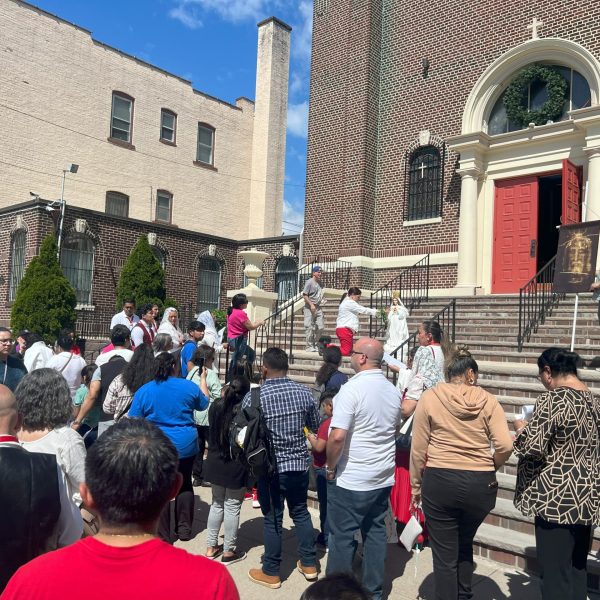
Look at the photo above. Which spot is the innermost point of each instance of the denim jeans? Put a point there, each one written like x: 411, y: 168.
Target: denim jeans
x: 225, y: 508
x: 351, y: 510
x: 291, y: 487
x: 321, y: 476
x: 240, y: 347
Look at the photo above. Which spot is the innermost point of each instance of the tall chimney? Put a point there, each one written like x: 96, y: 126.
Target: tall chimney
x: 270, y: 122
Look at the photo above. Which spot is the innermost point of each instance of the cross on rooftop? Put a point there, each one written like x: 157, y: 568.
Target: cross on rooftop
x: 534, y: 28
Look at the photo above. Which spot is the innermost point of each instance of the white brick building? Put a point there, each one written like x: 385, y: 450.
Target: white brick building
x: 148, y: 145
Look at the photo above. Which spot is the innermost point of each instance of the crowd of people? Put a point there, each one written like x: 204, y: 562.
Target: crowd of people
x: 99, y: 461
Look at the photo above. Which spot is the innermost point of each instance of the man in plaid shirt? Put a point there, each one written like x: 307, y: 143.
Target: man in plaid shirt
x: 287, y: 408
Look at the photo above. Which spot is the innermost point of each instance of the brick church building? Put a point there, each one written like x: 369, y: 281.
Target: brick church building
x: 464, y: 131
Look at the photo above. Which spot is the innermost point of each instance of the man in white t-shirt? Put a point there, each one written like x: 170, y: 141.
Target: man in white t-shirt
x: 360, y: 458
x: 69, y: 365
x: 127, y: 316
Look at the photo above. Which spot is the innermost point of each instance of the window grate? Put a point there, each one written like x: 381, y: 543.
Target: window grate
x: 77, y: 262
x: 285, y: 279
x: 17, y: 262
x: 424, y: 183
x: 209, y: 283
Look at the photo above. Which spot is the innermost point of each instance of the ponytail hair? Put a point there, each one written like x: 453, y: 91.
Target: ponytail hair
x: 459, y: 361
x: 559, y: 361
x: 437, y: 335
x: 353, y: 291
x: 165, y: 362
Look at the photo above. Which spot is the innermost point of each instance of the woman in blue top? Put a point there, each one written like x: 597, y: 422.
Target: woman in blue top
x: 169, y: 402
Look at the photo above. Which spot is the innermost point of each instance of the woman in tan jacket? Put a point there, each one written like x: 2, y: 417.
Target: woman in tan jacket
x: 453, y: 469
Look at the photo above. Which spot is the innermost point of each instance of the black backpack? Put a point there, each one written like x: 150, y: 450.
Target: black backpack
x: 256, y: 450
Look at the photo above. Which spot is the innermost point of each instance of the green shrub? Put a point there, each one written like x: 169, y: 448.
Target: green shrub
x: 142, y: 278
x: 45, y: 300
x: 220, y: 317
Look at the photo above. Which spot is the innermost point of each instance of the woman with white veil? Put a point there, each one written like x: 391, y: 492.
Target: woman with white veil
x: 211, y: 335
x: 170, y: 325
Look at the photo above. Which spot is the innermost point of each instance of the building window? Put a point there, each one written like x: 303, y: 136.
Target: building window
x: 286, y: 284
x: 77, y: 262
x: 578, y: 96
x: 121, y: 118
x: 425, y: 183
x: 117, y: 204
x: 168, y: 125
x: 206, y: 142
x: 18, y: 246
x: 159, y: 255
x: 209, y: 283
x: 164, y: 206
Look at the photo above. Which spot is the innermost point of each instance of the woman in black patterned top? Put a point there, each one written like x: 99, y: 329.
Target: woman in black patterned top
x: 558, y: 477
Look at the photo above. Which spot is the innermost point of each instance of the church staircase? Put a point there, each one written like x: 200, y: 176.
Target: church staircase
x: 488, y: 325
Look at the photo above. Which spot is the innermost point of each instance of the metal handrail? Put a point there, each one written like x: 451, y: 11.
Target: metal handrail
x: 411, y: 283
x: 537, y: 300
x: 446, y: 317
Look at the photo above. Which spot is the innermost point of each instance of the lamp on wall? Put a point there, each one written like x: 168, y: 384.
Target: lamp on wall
x: 425, y: 66
x: 71, y: 168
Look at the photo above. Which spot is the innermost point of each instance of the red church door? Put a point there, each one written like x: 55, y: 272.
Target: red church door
x: 515, y: 234
x: 571, y: 194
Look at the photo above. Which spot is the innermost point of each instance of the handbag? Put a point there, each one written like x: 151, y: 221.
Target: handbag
x: 404, y: 436
x: 411, y: 532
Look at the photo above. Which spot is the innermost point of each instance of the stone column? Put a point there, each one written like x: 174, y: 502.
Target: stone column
x: 467, y: 230
x: 593, y: 184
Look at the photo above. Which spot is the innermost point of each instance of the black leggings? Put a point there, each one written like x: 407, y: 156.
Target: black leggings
x: 455, y: 503
x: 562, y: 555
x: 181, y: 528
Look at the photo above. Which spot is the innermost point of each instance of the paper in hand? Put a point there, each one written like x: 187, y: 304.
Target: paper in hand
x: 394, y: 362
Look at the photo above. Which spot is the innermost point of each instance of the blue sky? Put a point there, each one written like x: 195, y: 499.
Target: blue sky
x: 212, y: 43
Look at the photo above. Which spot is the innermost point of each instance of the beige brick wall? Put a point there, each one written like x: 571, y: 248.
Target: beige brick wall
x: 56, y: 87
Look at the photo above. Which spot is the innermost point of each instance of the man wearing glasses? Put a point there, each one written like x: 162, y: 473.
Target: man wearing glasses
x: 360, y: 465
x: 12, y: 370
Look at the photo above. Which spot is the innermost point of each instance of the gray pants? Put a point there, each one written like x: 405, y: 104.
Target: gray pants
x: 313, y: 327
x: 225, y: 507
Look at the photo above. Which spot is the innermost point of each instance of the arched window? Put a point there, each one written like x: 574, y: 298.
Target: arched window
x: 209, y: 283
x: 77, y: 262
x: 578, y: 95
x: 425, y: 181
x: 18, y: 246
x: 286, y: 284
x: 159, y: 255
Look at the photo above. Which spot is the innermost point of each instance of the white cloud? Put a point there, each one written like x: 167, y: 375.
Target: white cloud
x: 302, y: 33
x: 297, y: 120
x: 186, y: 14
x: 187, y: 11
x: 293, y: 216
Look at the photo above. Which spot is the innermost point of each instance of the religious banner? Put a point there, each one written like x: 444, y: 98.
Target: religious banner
x: 576, y: 257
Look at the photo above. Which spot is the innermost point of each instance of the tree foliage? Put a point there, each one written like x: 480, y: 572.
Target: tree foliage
x: 142, y: 278
x: 45, y: 300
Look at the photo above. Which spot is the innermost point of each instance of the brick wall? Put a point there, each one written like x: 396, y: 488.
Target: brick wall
x: 55, y: 107
x: 113, y: 240
x: 369, y: 101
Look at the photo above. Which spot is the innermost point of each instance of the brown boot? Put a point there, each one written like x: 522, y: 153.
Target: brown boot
x: 309, y: 572
x: 270, y: 581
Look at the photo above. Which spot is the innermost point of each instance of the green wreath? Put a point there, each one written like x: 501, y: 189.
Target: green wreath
x: 516, y: 96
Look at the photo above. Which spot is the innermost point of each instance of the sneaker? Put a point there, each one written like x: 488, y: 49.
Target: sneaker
x: 217, y: 551
x: 233, y: 557
x: 270, y: 581
x: 255, y: 502
x: 310, y: 573
x: 196, y: 482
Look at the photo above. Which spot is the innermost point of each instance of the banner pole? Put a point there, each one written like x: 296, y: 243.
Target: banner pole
x: 574, y: 321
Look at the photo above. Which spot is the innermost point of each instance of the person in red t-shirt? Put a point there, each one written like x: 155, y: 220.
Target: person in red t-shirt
x: 318, y: 443
x: 131, y: 474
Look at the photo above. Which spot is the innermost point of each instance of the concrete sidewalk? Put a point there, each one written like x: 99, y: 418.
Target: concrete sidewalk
x: 408, y: 577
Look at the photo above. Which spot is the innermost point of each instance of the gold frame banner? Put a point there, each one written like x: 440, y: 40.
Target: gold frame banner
x: 576, y: 257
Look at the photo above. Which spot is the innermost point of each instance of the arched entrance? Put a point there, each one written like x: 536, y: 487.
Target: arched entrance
x: 520, y: 182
